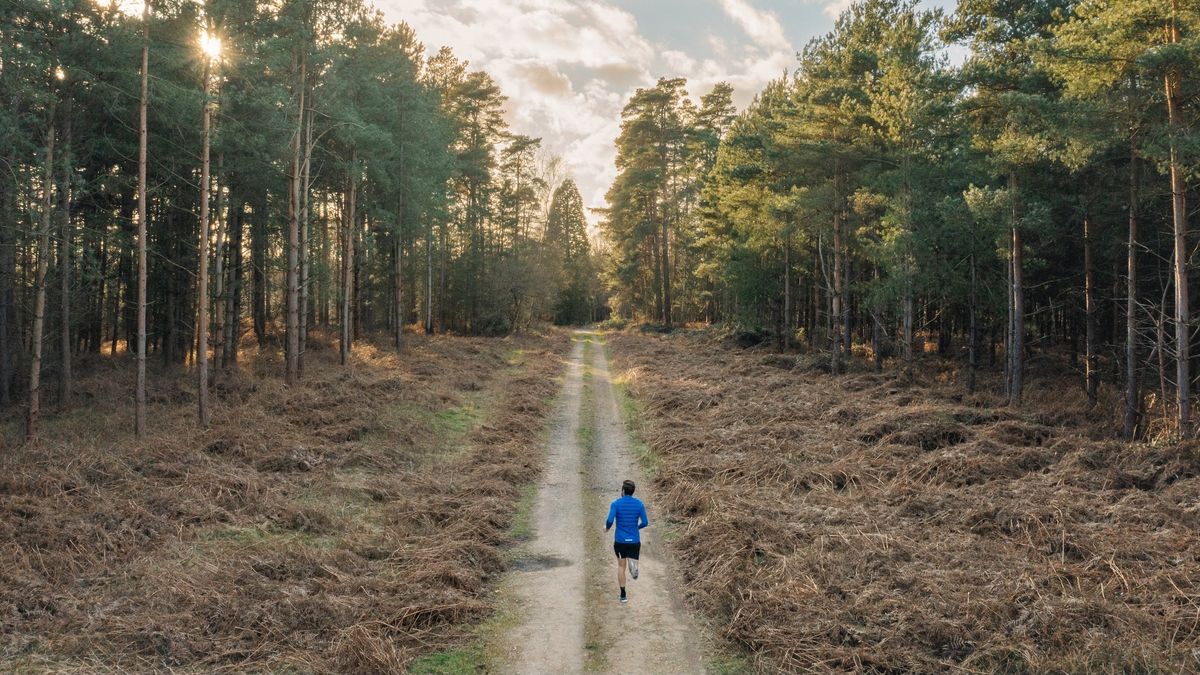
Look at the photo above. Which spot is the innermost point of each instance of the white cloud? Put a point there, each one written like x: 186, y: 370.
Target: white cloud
x: 762, y: 26
x: 834, y: 8
x: 569, y: 66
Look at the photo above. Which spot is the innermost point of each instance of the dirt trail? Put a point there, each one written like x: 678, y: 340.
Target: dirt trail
x: 548, y: 583
x: 565, y: 587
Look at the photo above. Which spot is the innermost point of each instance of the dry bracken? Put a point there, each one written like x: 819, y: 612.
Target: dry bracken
x: 347, y: 524
x: 856, y: 523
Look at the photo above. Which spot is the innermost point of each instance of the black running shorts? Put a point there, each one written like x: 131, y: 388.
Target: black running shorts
x: 627, y: 550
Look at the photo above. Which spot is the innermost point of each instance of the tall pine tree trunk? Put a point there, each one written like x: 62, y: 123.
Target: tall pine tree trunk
x: 140, y: 395
x: 398, y: 271
x: 1131, y: 379
x: 835, y: 297
x: 258, y: 272
x: 8, y: 273
x: 39, y: 303
x: 666, y: 270
x: 202, y: 337
x: 1091, y: 358
x: 64, y: 259
x: 877, y: 329
x: 1179, y: 220
x: 305, y: 228
x: 235, y: 277
x: 429, y: 277
x: 219, y: 270
x: 908, y: 319
x: 787, y: 288
x: 1017, y: 326
x: 973, y: 349
x: 292, y: 283
x: 349, y: 218
x: 443, y: 262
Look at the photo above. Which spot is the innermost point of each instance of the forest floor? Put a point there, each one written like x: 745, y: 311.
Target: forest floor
x: 861, y: 523
x: 364, y: 521
x: 566, y: 616
x: 352, y: 524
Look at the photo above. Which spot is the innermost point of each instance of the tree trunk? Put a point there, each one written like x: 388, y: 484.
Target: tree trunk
x: 218, y: 344
x: 1091, y: 358
x: 8, y: 274
x: 398, y: 282
x: 202, y: 256
x: 847, y: 314
x: 835, y: 296
x: 666, y: 271
x: 429, y: 277
x: 305, y: 254
x: 1017, y: 329
x: 348, y: 218
x: 1131, y: 379
x: 8, y: 263
x: 117, y: 291
x: 877, y: 330
x: 358, y: 284
x: 64, y: 258
x: 1160, y: 346
x: 236, y: 276
x: 973, y: 338
x: 39, y: 306
x: 787, y: 289
x: 656, y: 264
x: 324, y: 281
x: 140, y: 410
x: 258, y: 272
x: 292, y: 351
x: 908, y: 321
x: 443, y: 262
x: 1179, y: 219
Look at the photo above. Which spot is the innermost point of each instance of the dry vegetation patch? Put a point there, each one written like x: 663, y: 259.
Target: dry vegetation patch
x: 347, y: 524
x: 859, y: 524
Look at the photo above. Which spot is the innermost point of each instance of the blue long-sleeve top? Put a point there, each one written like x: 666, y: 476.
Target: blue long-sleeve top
x: 629, y: 513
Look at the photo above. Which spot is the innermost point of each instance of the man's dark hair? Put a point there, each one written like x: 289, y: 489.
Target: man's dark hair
x: 628, y: 487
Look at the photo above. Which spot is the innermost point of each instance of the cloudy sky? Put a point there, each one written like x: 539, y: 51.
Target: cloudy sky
x: 568, y: 66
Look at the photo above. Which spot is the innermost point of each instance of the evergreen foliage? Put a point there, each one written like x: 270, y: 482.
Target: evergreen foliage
x: 1026, y: 197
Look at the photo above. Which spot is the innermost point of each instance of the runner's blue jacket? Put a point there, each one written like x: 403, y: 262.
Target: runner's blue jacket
x: 630, y: 516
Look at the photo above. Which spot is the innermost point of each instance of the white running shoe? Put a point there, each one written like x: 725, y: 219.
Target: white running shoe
x: 633, y: 568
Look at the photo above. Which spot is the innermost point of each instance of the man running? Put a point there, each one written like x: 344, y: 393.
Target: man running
x: 629, y: 513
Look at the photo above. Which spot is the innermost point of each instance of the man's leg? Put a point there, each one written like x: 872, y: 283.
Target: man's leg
x: 621, y: 575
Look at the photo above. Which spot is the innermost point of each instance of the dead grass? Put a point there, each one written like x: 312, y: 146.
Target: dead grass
x: 859, y: 524
x: 348, y: 524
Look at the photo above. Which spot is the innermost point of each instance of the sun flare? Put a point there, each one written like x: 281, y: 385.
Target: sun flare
x: 210, y: 44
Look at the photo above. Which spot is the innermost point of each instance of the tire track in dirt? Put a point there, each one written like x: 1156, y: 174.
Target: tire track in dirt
x: 564, y: 586
x: 650, y: 634
x: 549, y: 579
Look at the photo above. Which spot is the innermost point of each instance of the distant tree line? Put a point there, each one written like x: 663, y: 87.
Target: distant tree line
x: 1034, y: 195
x: 318, y: 170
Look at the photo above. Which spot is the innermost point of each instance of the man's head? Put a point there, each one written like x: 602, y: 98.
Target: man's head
x: 627, y: 488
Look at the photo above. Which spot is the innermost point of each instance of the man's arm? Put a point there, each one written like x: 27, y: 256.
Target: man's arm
x: 612, y: 515
x: 643, y: 517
